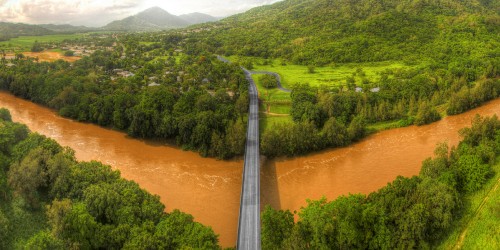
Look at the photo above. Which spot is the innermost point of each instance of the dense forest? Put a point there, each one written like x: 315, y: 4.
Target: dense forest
x: 321, y: 32
x: 48, y: 200
x: 325, y: 119
x: 451, y: 48
x: 409, y: 213
x: 168, y: 85
x: 194, y: 100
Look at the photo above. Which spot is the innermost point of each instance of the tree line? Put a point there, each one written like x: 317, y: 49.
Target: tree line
x: 335, y: 117
x: 82, y: 205
x: 198, y: 102
x: 408, y: 213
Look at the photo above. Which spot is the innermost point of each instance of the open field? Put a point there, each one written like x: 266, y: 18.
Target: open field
x: 271, y: 95
x: 47, y: 56
x: 332, y: 76
x: 24, y: 43
x: 267, y: 121
x: 479, y: 226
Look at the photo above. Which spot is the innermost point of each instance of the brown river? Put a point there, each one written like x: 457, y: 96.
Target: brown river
x: 210, y: 189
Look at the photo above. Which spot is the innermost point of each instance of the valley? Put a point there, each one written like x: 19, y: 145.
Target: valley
x: 302, y: 124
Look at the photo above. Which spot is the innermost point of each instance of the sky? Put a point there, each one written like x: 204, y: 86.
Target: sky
x: 97, y: 13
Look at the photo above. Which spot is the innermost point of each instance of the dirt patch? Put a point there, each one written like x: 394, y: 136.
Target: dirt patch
x: 47, y: 56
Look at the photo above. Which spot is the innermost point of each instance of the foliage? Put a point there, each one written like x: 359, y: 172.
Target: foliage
x: 268, y: 81
x: 85, y: 93
x: 88, y: 205
x: 407, y: 213
x: 37, y: 47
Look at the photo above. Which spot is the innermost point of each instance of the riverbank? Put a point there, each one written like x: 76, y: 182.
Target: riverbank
x: 210, y: 189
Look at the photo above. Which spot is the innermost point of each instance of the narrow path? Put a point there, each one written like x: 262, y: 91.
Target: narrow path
x: 249, y: 220
x: 461, y: 239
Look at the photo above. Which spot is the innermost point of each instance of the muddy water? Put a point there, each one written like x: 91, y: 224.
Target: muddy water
x: 210, y: 189
x: 363, y: 167
x: 206, y: 188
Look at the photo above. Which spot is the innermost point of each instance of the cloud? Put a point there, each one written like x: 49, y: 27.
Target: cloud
x: 212, y: 7
x: 86, y: 12
x: 100, y: 12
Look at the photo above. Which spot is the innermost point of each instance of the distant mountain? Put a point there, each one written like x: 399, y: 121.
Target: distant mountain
x: 195, y: 18
x: 12, y: 30
x: 156, y: 18
x: 66, y: 28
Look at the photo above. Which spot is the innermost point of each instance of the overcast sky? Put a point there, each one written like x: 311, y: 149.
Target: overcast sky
x: 100, y: 12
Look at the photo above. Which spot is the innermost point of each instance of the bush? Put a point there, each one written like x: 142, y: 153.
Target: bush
x: 69, y: 53
x: 5, y: 115
x: 268, y: 81
x: 311, y: 69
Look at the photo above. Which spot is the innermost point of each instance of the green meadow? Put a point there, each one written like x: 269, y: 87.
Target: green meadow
x: 332, y: 76
x: 267, y: 121
x: 24, y: 43
x: 479, y: 226
x: 274, y: 95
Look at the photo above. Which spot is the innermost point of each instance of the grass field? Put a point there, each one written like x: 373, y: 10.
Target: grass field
x: 479, y: 227
x: 267, y: 121
x: 271, y: 95
x: 332, y: 76
x: 24, y: 43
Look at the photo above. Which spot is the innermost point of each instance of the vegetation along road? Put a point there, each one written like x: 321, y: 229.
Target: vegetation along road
x: 249, y: 220
x: 278, y: 79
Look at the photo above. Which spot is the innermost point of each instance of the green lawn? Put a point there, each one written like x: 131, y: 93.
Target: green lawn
x: 26, y: 42
x: 479, y: 228
x: 267, y: 121
x: 332, y: 76
x: 271, y: 95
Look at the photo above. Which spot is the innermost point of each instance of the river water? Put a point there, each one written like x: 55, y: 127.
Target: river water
x: 210, y: 189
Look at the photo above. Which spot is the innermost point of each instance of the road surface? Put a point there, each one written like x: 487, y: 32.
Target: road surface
x: 249, y: 219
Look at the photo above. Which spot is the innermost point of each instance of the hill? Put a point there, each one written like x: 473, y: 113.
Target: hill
x: 66, y: 28
x: 155, y: 19
x: 323, y: 31
x: 196, y: 18
x: 12, y: 30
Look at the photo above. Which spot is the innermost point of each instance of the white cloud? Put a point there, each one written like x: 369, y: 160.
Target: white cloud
x: 100, y: 12
x: 87, y: 12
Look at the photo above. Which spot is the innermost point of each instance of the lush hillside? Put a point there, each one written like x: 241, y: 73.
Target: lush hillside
x: 324, y: 31
x: 409, y: 213
x: 11, y: 30
x: 195, y: 18
x: 66, y: 28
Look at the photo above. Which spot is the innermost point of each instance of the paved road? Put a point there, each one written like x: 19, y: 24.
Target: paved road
x: 249, y: 220
x: 278, y: 78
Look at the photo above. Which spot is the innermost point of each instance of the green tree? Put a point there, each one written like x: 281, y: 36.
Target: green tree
x: 4, y: 229
x: 30, y: 175
x: 277, y: 226
x: 426, y: 114
x: 37, y: 47
x: 44, y: 240
x: 268, y: 81
x: 5, y: 115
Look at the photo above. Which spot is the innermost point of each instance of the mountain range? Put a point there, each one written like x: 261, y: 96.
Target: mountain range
x: 152, y: 19
x: 155, y: 19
